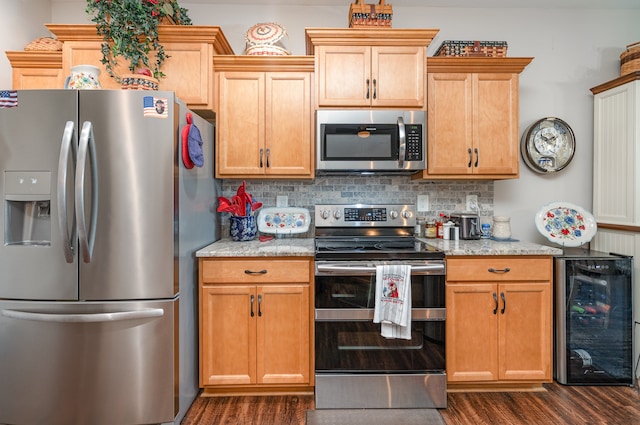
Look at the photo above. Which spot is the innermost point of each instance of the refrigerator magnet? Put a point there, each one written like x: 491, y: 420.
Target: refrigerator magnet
x: 156, y: 107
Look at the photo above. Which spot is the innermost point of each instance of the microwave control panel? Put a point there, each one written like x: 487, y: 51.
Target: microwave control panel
x: 414, y: 142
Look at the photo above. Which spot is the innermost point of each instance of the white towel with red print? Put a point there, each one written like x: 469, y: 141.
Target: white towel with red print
x: 393, y: 300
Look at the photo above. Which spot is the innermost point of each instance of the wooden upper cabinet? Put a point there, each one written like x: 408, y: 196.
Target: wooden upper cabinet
x: 264, y: 117
x: 36, y: 70
x: 371, y: 76
x: 370, y: 67
x: 188, y: 69
x: 473, y: 118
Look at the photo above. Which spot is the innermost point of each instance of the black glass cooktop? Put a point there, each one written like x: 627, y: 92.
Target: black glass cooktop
x: 336, y: 248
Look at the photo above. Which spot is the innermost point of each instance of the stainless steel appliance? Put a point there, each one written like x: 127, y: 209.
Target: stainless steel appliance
x: 593, y: 318
x: 469, y: 225
x: 370, y: 141
x: 99, y: 225
x: 355, y: 366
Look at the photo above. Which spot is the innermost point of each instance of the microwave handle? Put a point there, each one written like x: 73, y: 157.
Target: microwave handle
x: 403, y: 142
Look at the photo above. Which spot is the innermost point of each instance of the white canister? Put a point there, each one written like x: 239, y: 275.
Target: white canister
x: 446, y: 228
x: 501, y: 227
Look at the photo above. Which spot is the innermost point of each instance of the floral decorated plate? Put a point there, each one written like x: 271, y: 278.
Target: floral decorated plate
x: 566, y: 224
x: 285, y: 220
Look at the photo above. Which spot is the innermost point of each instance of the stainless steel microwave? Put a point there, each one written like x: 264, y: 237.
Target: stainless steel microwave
x: 370, y: 141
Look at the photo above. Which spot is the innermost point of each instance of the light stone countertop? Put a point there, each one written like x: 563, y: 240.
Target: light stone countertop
x: 276, y: 247
x: 491, y: 247
x: 305, y: 247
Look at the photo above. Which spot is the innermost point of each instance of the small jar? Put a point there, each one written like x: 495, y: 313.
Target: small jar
x: 501, y: 227
x: 420, y: 223
x: 430, y: 229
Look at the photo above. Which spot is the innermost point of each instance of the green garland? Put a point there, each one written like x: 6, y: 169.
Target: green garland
x: 129, y: 29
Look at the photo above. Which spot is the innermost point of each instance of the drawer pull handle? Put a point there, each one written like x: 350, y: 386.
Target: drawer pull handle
x: 470, y: 157
x: 259, y: 305
x: 504, y: 303
x: 495, y: 298
x: 505, y: 270
x: 258, y: 272
x: 252, y: 299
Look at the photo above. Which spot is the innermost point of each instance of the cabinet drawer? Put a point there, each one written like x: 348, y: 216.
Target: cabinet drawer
x: 479, y: 269
x: 255, y: 271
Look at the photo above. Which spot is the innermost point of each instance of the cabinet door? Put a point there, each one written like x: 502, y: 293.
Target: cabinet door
x: 35, y: 78
x: 450, y: 126
x: 288, y: 140
x: 89, y: 52
x: 525, y: 327
x: 283, y: 334
x: 495, y: 124
x: 471, y: 332
x: 227, y: 335
x: 616, y: 155
x: 344, y: 75
x: 397, y: 76
x: 240, y: 124
x: 189, y: 73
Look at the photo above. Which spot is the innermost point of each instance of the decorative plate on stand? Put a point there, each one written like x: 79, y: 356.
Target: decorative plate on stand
x: 566, y: 224
x: 283, y: 220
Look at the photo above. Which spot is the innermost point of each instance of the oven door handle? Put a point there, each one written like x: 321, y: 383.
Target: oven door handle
x: 329, y: 268
x: 433, y: 314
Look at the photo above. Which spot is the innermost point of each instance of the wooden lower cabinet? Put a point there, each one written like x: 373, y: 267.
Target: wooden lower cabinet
x: 499, y: 329
x: 256, y: 325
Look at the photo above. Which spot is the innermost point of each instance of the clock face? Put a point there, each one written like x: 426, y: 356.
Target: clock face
x: 548, y: 145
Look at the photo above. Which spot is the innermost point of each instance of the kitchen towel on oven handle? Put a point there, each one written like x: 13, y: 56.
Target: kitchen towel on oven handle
x: 393, y: 300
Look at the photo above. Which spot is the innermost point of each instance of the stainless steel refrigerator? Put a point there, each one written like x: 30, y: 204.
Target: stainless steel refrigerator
x: 99, y: 224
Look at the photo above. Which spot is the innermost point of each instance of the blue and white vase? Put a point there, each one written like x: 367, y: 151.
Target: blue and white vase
x: 243, y: 228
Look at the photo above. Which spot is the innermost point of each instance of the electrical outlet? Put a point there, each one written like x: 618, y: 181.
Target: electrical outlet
x: 472, y: 203
x: 282, y: 201
x: 423, y: 202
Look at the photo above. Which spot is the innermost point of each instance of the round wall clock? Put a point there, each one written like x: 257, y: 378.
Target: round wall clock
x: 548, y: 145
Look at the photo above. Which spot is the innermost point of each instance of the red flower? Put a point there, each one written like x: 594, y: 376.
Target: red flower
x: 550, y: 214
x: 565, y: 231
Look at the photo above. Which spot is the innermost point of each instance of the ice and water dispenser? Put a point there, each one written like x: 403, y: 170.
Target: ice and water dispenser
x: 27, y: 208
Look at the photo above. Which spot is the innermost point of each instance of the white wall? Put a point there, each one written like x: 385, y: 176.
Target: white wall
x: 574, y: 50
x: 22, y: 22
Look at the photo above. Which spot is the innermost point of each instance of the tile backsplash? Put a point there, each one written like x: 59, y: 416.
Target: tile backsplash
x: 444, y: 196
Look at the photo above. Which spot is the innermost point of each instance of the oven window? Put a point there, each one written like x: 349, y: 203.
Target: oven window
x: 354, y: 345
x: 358, y: 347
x: 359, y: 291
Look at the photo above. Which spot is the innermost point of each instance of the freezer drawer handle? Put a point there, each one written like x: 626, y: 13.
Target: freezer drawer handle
x: 84, y: 318
x: 67, y: 149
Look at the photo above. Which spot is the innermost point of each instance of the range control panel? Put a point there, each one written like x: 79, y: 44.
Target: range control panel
x: 355, y: 215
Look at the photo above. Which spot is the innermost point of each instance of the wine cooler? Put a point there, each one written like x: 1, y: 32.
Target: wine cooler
x: 593, y: 318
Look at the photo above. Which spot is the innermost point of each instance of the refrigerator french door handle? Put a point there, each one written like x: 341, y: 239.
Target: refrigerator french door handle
x: 86, y: 146
x: 84, y: 318
x: 67, y: 150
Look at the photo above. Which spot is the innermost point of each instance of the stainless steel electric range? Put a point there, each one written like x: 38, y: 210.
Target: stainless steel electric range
x: 355, y: 366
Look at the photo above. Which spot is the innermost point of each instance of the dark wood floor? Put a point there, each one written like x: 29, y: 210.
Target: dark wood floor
x: 560, y: 404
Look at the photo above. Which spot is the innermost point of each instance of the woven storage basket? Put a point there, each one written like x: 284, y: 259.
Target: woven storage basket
x: 630, y: 59
x: 43, y: 44
x: 496, y: 49
x: 362, y: 15
x: 138, y: 82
